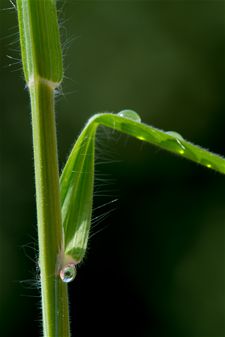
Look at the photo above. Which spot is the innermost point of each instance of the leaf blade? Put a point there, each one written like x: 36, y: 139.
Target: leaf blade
x: 77, y: 178
x: 76, y: 186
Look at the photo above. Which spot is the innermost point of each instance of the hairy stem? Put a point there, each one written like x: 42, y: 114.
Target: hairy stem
x: 54, y: 291
x: 43, y: 72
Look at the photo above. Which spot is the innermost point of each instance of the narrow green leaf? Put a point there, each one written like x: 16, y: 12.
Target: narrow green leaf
x: 77, y: 178
x: 76, y: 184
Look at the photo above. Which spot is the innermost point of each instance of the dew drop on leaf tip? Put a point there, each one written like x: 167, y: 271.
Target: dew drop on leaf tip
x: 68, y: 273
x: 130, y: 114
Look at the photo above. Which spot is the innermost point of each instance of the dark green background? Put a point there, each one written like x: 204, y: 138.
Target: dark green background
x: 157, y: 267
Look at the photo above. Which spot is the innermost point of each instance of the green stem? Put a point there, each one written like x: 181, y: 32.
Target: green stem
x: 54, y: 291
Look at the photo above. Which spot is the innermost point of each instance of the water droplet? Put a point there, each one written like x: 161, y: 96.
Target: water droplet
x: 130, y: 114
x: 68, y: 273
x: 175, y: 135
x: 176, y: 145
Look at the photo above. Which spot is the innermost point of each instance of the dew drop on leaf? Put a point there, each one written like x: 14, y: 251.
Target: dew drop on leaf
x: 175, y: 135
x: 68, y: 273
x: 174, y: 145
x: 130, y: 114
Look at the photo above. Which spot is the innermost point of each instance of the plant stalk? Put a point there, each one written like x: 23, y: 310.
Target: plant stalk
x: 54, y: 291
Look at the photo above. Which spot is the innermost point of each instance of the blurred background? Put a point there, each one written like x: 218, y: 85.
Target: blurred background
x: 156, y: 260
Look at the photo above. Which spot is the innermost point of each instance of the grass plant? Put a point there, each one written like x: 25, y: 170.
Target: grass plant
x: 64, y: 204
